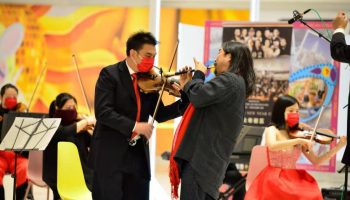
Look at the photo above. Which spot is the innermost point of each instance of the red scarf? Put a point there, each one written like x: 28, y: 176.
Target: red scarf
x: 179, y: 133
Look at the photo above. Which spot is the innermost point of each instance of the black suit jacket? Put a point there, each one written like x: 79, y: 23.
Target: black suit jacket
x: 215, y: 124
x: 116, y: 110
x: 340, y: 51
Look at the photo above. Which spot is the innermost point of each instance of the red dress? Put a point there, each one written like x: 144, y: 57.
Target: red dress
x: 281, y: 180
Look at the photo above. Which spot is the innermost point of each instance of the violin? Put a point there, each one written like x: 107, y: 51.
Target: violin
x: 322, y: 135
x: 152, y: 82
x: 20, y: 107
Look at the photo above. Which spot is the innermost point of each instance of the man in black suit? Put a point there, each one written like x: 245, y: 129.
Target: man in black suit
x: 204, y: 152
x: 122, y: 171
x: 340, y: 51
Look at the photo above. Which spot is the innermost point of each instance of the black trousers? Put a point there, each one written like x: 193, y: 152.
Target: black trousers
x: 120, y: 186
x: 190, y: 190
x: 346, y: 156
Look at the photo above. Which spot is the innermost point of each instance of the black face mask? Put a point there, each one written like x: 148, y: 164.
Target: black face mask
x: 68, y: 116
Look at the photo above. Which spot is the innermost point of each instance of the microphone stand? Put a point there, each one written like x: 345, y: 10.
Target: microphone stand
x: 345, y: 191
x: 318, y: 33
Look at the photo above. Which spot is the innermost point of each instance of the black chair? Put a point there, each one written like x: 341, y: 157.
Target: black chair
x: 249, y: 137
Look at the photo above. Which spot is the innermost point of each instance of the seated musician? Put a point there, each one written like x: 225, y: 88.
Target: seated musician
x: 8, y: 95
x: 72, y: 129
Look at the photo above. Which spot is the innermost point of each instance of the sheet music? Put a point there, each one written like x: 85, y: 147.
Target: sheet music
x: 30, y: 133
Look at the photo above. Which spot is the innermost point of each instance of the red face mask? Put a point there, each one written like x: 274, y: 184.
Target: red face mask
x: 10, y: 102
x: 145, y: 65
x: 292, y: 119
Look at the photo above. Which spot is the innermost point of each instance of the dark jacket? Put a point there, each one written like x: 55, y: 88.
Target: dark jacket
x: 214, y: 127
x: 66, y: 133
x: 116, y: 110
x: 339, y: 50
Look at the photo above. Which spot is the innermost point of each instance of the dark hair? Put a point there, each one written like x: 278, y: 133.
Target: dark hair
x: 59, y: 102
x: 7, y: 86
x: 277, y: 117
x: 137, y: 40
x: 241, y: 63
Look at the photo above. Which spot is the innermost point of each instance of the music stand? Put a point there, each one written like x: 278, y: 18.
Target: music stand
x: 24, y: 132
x: 249, y: 137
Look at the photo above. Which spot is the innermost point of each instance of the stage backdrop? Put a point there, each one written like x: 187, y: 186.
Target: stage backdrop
x: 36, y: 38
x: 287, y: 60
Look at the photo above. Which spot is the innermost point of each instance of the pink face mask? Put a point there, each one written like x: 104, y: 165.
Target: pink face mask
x: 10, y: 102
x: 145, y: 65
x: 292, y: 119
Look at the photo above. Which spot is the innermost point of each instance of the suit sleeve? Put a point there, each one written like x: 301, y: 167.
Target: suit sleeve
x: 339, y: 50
x: 173, y: 110
x: 104, y: 105
x: 203, y: 94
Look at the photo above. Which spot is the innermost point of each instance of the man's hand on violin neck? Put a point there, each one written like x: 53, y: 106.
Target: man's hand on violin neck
x: 144, y: 129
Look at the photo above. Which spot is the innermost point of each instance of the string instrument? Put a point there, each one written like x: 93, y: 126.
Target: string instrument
x: 152, y: 82
x: 322, y: 135
x: 20, y: 107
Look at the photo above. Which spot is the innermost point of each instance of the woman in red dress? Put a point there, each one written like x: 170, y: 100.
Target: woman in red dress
x: 280, y: 179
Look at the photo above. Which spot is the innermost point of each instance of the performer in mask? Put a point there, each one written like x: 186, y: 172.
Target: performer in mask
x: 72, y: 129
x: 9, y: 102
x: 204, y: 142
x: 276, y: 179
x: 122, y: 171
x: 340, y: 51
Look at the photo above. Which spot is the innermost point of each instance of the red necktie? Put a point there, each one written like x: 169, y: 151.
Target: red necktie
x: 138, y: 100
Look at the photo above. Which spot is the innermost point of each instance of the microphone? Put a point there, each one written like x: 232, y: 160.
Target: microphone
x: 297, y: 16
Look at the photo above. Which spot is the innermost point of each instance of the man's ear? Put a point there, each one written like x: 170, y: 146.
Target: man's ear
x: 228, y: 57
x: 132, y: 52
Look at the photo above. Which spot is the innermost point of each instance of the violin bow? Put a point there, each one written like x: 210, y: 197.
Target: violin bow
x: 36, y: 85
x: 163, y: 86
x: 317, y: 122
x: 81, y: 83
x: 133, y: 141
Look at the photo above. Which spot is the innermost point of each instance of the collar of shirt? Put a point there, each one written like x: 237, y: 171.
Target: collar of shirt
x: 131, y: 71
x: 339, y: 30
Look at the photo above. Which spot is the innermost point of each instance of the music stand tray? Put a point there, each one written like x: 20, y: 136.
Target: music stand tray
x: 25, y: 132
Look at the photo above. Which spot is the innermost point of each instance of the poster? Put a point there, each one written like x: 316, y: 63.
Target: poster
x: 287, y: 60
